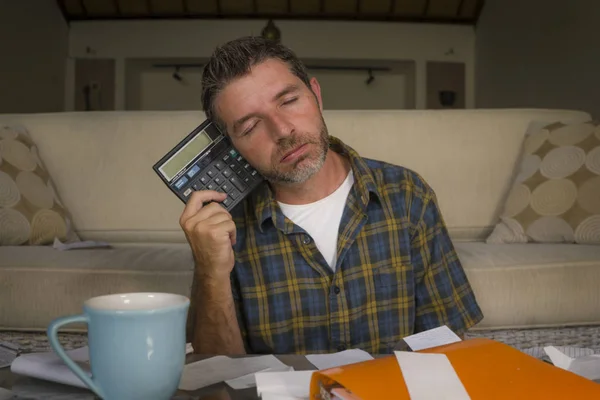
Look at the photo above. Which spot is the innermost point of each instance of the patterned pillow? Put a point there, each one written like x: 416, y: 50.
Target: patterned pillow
x: 555, y: 197
x: 30, y: 210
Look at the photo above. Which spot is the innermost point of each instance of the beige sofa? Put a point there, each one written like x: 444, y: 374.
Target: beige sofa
x: 101, y: 165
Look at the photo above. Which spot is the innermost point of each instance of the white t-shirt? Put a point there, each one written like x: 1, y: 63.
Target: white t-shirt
x: 321, y: 219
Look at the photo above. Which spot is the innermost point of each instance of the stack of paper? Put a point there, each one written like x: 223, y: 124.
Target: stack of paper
x: 236, y: 372
x: 49, y: 366
x: 582, y: 362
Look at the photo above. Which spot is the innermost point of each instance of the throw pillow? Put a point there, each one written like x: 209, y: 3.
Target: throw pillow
x: 555, y: 197
x: 31, y: 212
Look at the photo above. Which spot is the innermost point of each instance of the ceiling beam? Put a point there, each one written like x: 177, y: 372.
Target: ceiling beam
x: 478, y: 9
x: 297, y: 16
x: 459, y: 10
x: 63, y: 10
x: 426, y: 8
x: 83, y: 8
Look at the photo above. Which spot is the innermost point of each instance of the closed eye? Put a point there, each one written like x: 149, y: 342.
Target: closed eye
x: 247, y: 131
x: 293, y: 99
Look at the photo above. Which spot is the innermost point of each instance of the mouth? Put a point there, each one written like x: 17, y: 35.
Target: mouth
x: 294, y: 154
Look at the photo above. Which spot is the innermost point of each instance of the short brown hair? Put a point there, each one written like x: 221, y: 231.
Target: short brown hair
x: 234, y: 59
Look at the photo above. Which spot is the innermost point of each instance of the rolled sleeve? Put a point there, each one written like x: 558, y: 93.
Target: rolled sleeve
x: 443, y: 293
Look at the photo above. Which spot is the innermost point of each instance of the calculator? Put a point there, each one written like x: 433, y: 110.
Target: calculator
x: 206, y: 160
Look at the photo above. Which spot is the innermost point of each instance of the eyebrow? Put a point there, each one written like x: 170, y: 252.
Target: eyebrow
x: 286, y: 90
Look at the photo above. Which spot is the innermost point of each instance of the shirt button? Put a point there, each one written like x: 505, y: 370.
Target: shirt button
x: 336, y: 290
x: 306, y: 239
x: 341, y: 347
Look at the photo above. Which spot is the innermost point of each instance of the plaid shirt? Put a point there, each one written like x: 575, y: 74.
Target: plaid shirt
x: 397, y: 272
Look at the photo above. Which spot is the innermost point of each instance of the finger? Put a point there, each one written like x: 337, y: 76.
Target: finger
x: 205, y: 215
x: 229, y: 227
x: 197, y: 200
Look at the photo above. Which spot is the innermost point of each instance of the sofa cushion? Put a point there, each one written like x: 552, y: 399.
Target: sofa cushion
x: 30, y: 209
x: 533, y: 284
x: 555, y: 196
x: 58, y: 282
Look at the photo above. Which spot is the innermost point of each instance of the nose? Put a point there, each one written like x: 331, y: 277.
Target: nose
x: 280, y: 127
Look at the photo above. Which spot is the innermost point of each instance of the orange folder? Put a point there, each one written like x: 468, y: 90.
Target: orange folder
x: 486, y: 368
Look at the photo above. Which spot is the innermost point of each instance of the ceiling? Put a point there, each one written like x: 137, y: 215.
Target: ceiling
x: 432, y: 11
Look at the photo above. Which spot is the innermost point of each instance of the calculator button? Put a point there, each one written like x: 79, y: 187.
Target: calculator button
x: 235, y: 166
x: 219, y: 165
x: 254, y: 174
x: 211, y: 186
x: 226, y: 158
x: 193, y: 171
x: 211, y: 173
x: 247, y: 180
x: 181, y: 182
x: 218, y: 180
x: 227, y: 202
x: 204, y: 179
x: 187, y: 192
x: 227, y: 173
x: 234, y: 194
x: 237, y: 183
x: 247, y: 167
x: 239, y: 159
x: 227, y: 187
x: 198, y: 186
x: 233, y: 153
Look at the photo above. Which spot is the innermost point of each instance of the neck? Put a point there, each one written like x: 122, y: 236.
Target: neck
x: 335, y: 169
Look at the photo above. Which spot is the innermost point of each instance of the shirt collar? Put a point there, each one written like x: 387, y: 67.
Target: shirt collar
x: 266, y: 207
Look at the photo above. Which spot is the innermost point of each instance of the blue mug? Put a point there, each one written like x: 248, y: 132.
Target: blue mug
x: 136, y: 343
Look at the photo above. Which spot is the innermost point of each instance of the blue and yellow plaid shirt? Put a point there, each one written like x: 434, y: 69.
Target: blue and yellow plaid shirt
x: 397, y: 272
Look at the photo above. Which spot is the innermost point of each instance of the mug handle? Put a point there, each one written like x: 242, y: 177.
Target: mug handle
x: 55, y: 344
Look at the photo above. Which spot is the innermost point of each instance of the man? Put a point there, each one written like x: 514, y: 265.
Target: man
x: 334, y: 251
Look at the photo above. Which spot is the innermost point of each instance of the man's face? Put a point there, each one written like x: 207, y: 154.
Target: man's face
x: 275, y: 122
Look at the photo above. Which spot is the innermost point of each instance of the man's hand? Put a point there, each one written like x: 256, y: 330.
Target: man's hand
x: 210, y: 231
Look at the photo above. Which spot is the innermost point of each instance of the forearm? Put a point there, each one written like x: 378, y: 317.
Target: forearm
x: 216, y: 328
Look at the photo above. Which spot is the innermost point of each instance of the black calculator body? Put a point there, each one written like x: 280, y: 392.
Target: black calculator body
x: 206, y: 160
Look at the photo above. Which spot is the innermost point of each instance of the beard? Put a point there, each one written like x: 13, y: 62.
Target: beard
x: 305, y: 166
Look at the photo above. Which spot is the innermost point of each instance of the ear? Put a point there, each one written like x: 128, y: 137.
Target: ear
x: 316, y: 88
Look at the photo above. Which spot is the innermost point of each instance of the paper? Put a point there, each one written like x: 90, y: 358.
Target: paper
x: 431, y: 338
x: 579, y: 361
x: 222, y: 368
x: 325, y: 361
x: 249, y: 380
x: 284, y: 385
x: 88, y: 244
x: 430, y: 376
x: 50, y: 367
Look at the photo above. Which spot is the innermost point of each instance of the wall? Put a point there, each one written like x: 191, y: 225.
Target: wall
x: 539, y: 53
x: 126, y: 40
x: 33, y: 51
x: 151, y: 88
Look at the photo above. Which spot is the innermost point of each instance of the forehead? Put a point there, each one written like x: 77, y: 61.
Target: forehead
x: 264, y: 80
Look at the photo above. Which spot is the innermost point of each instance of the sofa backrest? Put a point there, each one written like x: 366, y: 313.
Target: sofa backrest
x: 101, y: 162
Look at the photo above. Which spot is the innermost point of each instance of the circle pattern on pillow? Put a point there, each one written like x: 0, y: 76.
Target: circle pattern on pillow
x: 14, y: 227
x: 9, y: 191
x: 17, y: 154
x: 30, y: 210
x: 562, y: 162
x: 555, y: 197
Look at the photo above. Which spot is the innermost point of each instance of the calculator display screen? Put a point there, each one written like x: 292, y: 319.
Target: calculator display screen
x: 185, y: 155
